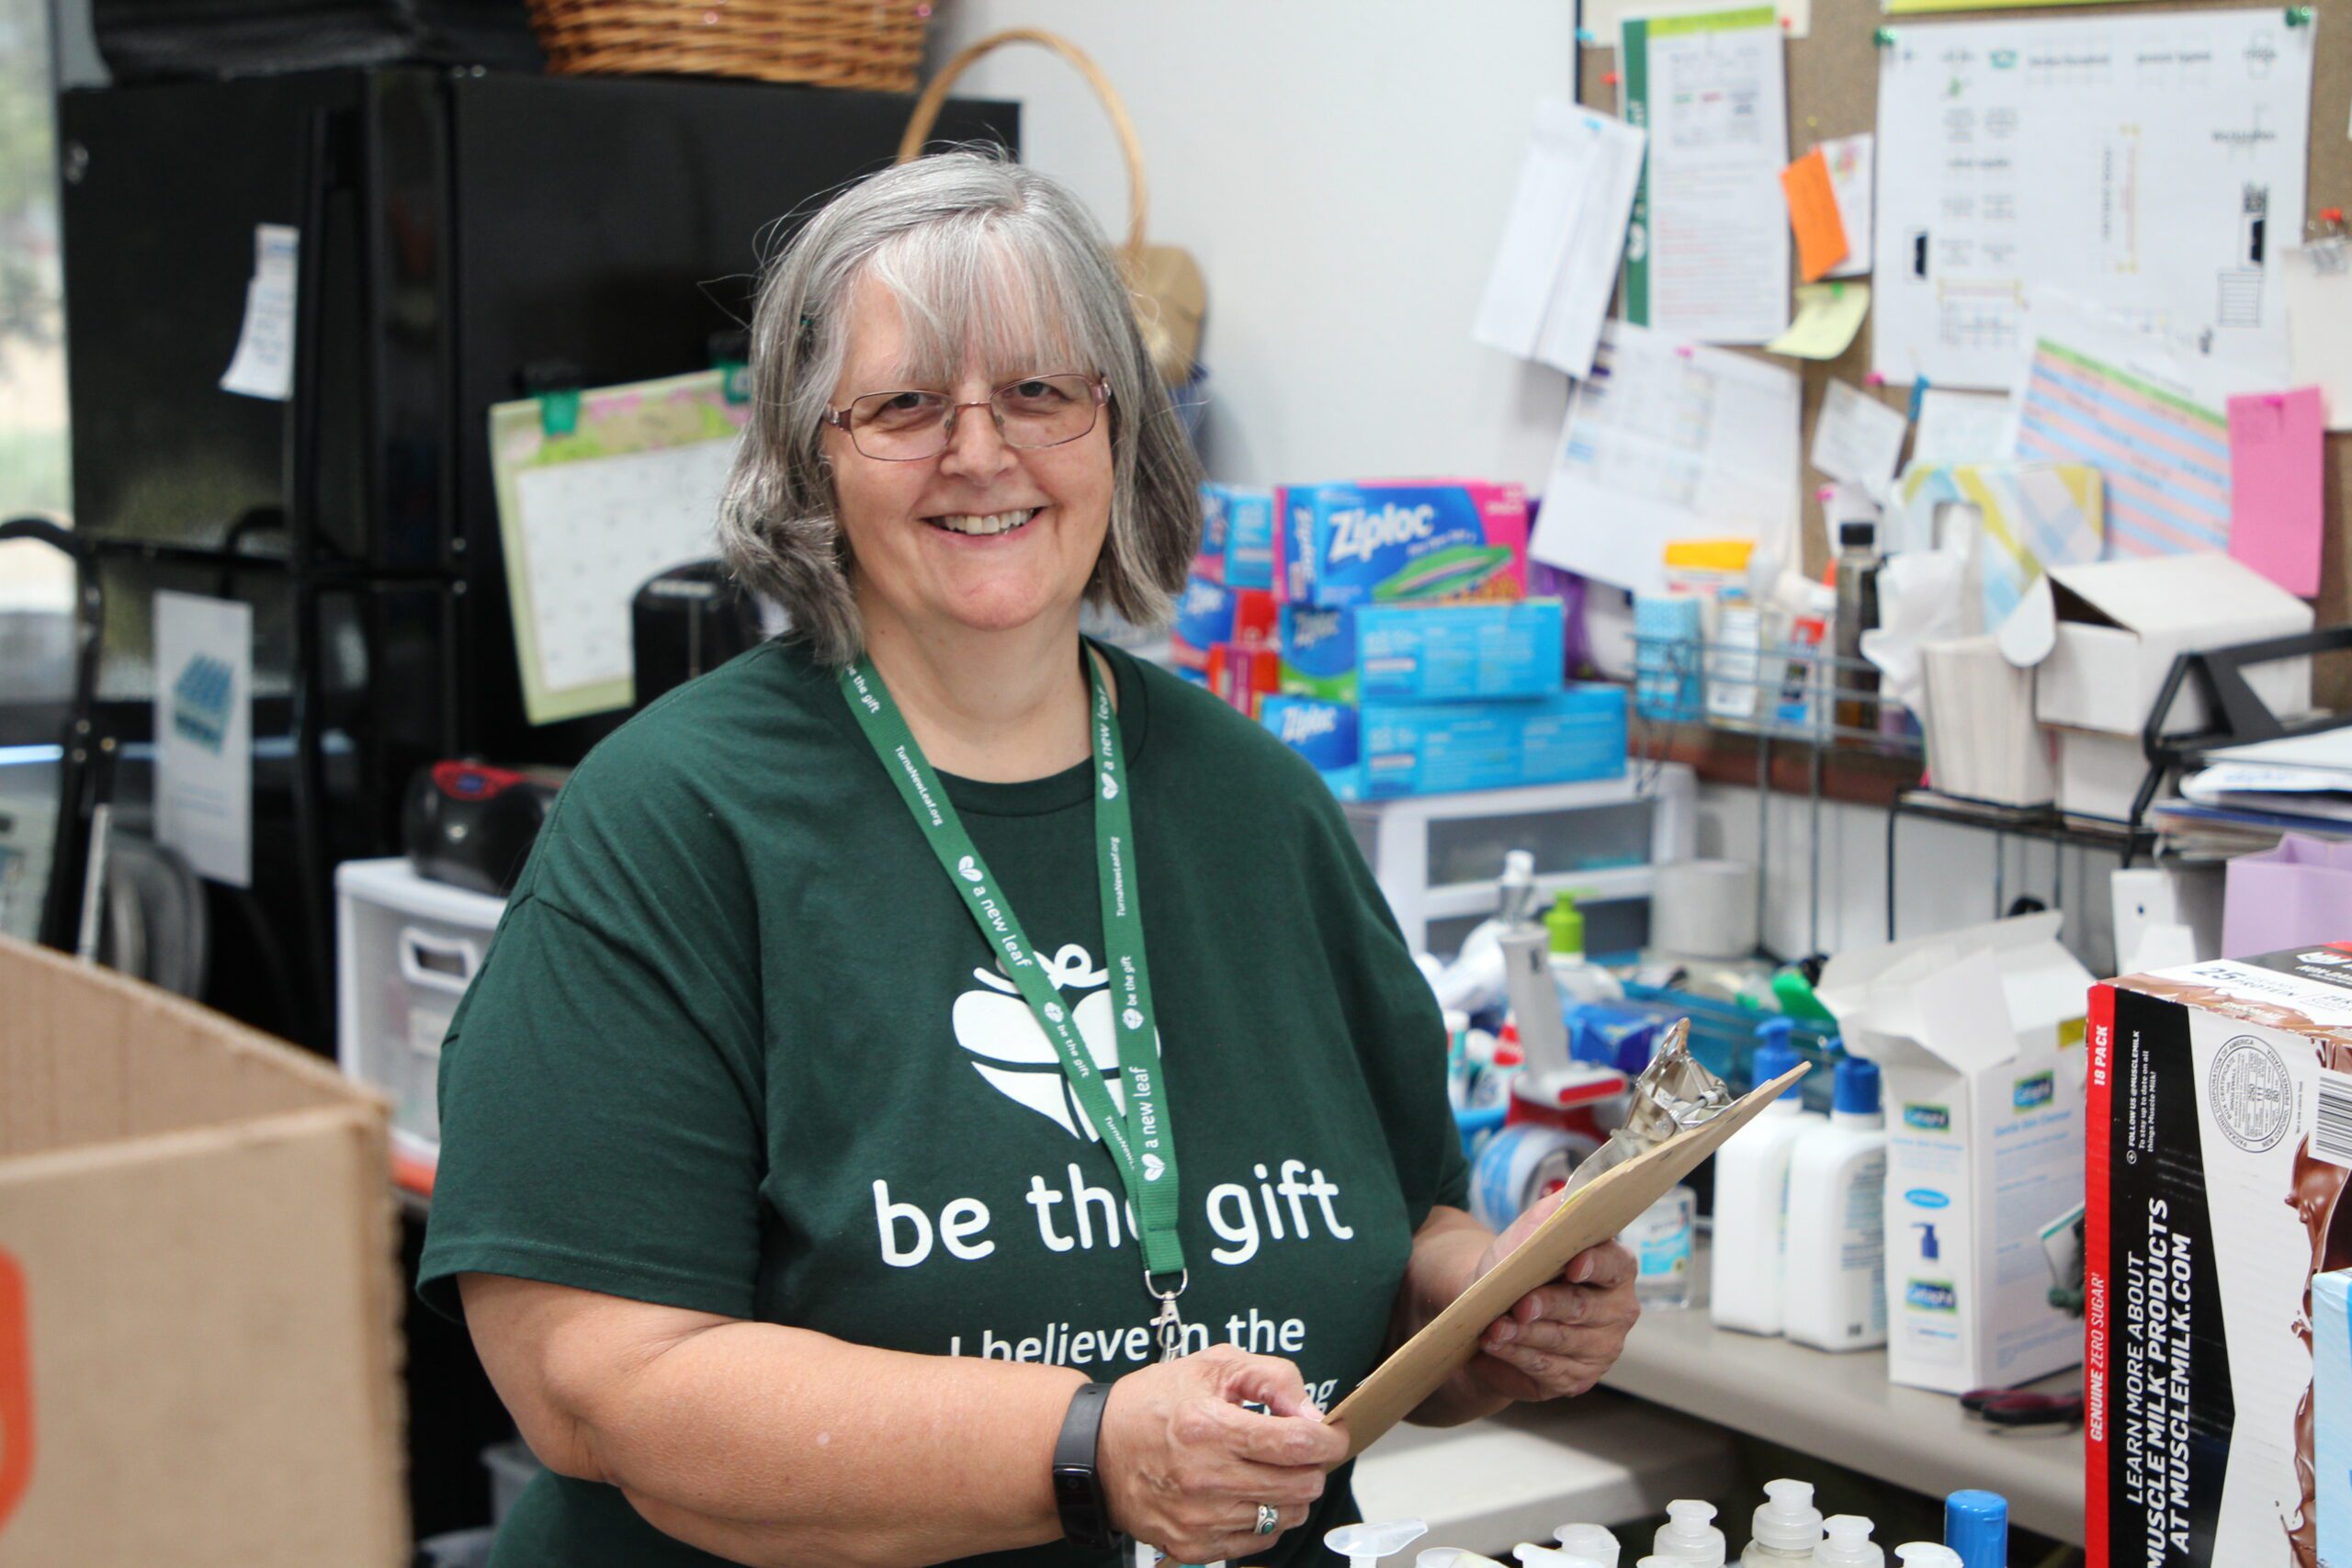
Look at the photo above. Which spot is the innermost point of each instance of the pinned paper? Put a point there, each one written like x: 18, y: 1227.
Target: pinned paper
x: 1813, y: 214
x: 2275, y: 466
x: 1849, y: 159
x: 1828, y: 315
x: 1858, y: 439
x: 2010, y: 521
x: 1959, y: 427
x: 263, y: 365
x: 2319, y: 323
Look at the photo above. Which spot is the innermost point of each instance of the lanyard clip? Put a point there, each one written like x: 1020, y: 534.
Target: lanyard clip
x: 1168, y: 1326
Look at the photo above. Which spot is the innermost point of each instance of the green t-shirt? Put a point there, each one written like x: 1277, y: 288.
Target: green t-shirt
x: 738, y: 1047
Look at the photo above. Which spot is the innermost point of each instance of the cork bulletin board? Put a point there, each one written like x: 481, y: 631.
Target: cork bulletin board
x: 1833, y: 91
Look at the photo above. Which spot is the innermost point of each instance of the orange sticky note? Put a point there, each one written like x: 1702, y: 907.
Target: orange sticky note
x: 1813, y: 213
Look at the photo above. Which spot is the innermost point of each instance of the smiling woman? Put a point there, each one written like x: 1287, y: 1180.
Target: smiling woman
x: 935, y: 1074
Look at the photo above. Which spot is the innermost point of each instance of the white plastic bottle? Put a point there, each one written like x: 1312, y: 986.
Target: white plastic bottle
x: 1847, y: 1544
x: 1688, y: 1537
x: 1752, y: 1202
x: 1534, y: 1556
x: 1836, y: 1293
x: 1786, y: 1528
x: 1589, y: 1540
x: 1926, y: 1555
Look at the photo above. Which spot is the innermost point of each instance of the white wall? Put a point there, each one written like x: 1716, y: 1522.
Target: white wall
x: 1341, y: 168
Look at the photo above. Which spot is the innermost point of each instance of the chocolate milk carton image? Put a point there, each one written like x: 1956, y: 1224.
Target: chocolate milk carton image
x: 2220, y: 1140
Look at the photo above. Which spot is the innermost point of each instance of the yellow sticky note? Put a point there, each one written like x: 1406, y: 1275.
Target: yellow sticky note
x: 1813, y: 214
x: 1828, y: 315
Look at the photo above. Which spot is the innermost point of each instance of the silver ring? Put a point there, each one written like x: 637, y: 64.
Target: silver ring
x: 1268, y: 1520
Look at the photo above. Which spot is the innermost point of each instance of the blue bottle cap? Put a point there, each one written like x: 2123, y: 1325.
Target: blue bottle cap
x: 1976, y: 1525
x: 1773, y: 1058
x: 1856, y: 1090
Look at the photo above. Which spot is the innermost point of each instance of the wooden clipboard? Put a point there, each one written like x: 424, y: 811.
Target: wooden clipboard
x: 1615, y: 1199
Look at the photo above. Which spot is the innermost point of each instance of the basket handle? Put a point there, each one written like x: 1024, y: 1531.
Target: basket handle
x: 934, y: 97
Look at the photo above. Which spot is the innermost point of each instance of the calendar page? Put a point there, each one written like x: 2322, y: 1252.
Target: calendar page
x: 593, y: 500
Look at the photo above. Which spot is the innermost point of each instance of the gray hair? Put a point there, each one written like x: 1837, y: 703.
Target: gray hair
x: 980, y: 252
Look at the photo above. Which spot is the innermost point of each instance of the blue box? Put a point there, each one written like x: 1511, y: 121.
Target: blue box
x: 1436, y: 749
x: 1240, y: 518
x: 1438, y: 653
x: 1204, y: 618
x: 1342, y: 544
x: 1325, y: 733
x: 1319, y: 649
x: 2332, y: 1414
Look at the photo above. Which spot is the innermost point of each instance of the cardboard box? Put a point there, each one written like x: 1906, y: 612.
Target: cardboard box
x: 1978, y: 1035
x: 1344, y: 544
x: 1325, y: 733
x: 2099, y: 774
x: 2332, y: 1414
x: 1240, y: 519
x: 2220, y: 1118
x: 2120, y: 625
x: 1461, y: 652
x: 1438, y: 748
x: 198, y: 1295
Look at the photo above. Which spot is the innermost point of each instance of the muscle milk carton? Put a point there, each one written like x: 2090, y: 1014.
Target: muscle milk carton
x: 2221, y: 1138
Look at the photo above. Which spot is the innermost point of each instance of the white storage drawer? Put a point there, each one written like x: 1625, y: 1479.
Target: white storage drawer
x: 405, y: 951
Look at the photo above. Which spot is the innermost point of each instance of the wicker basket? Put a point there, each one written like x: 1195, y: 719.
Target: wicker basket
x: 825, y: 43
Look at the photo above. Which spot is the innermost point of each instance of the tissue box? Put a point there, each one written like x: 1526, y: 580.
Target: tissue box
x: 1433, y: 748
x: 1240, y: 518
x: 2332, y: 1415
x: 1978, y: 1034
x: 1344, y: 544
x: 2221, y: 1134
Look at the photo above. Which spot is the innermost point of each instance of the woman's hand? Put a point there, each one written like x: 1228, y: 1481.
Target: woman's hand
x: 1184, y: 1467
x: 1558, y: 1338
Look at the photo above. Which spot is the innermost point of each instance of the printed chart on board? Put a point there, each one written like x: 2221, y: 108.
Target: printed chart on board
x: 587, y: 514
x: 2153, y: 162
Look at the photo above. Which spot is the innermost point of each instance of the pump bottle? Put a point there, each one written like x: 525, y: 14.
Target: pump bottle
x: 1752, y: 1199
x: 1786, y: 1529
x: 1836, y: 1291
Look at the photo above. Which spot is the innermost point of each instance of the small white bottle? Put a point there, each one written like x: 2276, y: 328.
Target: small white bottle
x: 1589, y: 1540
x: 1847, y: 1544
x: 1926, y: 1555
x: 1786, y: 1528
x: 1752, y: 1199
x: 1532, y: 1555
x: 1660, y: 1243
x: 1688, y: 1537
x: 1836, y: 1293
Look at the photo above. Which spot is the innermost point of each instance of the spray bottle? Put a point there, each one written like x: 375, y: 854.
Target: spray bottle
x: 1785, y: 1530
x: 1688, y: 1537
x: 1848, y: 1544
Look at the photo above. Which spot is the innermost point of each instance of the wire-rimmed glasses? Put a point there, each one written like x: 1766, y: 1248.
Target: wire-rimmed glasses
x: 1034, y: 413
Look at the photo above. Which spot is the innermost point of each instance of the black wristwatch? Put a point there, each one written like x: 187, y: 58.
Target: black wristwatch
x: 1077, y: 1485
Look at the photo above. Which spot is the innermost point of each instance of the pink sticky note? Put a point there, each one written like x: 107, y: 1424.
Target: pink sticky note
x: 2275, y: 471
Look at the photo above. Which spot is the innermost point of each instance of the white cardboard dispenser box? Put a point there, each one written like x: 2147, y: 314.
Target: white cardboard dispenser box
x: 2220, y: 1114
x: 2101, y: 638
x: 200, y: 1298
x: 1978, y: 1035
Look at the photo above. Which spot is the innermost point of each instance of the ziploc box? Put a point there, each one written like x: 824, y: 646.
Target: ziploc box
x: 1345, y: 545
x: 1326, y: 734
x: 1204, y: 618
x: 1455, y: 652
x: 1439, y: 747
x: 2332, y: 1414
x: 1978, y: 1036
x: 1319, y: 649
x: 1240, y: 519
x: 2221, y: 1112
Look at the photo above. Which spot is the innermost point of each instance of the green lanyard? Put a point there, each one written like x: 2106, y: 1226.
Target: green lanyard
x: 1139, y: 1142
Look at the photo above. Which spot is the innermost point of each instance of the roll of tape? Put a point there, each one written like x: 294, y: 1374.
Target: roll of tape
x: 1704, y: 908
x: 1519, y: 1166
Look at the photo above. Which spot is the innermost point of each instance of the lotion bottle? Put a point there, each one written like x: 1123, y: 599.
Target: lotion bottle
x: 1688, y: 1537
x: 1847, y: 1544
x: 1835, y: 1290
x: 1752, y: 1199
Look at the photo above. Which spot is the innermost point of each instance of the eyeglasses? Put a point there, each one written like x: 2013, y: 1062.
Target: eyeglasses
x: 1033, y: 412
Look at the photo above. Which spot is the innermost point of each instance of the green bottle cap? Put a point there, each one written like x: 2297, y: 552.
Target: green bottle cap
x: 1565, y: 922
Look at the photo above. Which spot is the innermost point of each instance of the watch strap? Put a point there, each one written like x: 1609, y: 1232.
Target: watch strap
x: 1078, y: 1485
